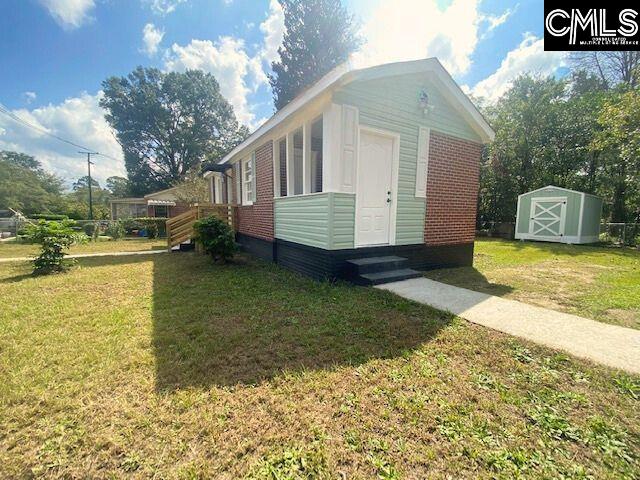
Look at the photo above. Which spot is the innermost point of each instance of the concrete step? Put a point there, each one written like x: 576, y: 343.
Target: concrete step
x: 359, y: 266
x: 378, y: 278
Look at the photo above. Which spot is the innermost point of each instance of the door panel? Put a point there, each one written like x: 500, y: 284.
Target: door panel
x: 547, y: 217
x: 374, y: 183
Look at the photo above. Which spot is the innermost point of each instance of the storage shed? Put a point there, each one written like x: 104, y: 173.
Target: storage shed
x: 554, y: 214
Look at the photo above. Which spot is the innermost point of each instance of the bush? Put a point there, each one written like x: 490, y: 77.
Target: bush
x: 155, y: 226
x: 216, y: 237
x: 89, y: 229
x: 54, y: 238
x: 48, y: 216
x: 115, y: 230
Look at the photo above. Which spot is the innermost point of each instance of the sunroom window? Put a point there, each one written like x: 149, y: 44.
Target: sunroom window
x: 247, y: 181
x: 315, y: 162
x: 298, y: 144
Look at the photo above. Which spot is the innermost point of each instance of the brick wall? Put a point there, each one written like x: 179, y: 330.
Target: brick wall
x: 257, y: 220
x: 452, y: 190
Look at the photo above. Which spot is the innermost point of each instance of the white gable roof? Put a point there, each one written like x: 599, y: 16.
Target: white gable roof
x: 557, y: 188
x: 344, y: 74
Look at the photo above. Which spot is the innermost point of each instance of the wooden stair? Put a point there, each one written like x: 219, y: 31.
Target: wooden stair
x: 180, y: 227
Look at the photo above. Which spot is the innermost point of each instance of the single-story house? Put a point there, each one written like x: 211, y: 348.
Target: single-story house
x: 367, y: 172
x: 555, y: 214
x: 162, y: 204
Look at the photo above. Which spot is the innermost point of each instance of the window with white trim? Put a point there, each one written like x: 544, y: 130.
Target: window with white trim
x: 247, y: 181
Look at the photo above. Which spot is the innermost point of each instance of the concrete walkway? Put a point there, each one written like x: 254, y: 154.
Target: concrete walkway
x: 88, y: 255
x: 614, y: 346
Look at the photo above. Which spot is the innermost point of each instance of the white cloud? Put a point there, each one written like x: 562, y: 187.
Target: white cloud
x: 69, y: 13
x: 151, y: 38
x: 237, y: 72
x: 29, y: 97
x: 78, y: 119
x: 164, y: 7
x: 399, y: 30
x: 227, y: 60
x: 529, y: 56
x: 494, y: 21
x: 273, y: 29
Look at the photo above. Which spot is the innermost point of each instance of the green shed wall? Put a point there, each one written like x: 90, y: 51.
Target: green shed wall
x: 591, y: 216
x: 323, y: 220
x: 392, y: 104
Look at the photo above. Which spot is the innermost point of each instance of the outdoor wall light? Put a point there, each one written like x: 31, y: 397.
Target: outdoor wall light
x: 424, y: 102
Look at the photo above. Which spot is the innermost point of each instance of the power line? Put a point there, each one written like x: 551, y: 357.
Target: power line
x: 20, y: 120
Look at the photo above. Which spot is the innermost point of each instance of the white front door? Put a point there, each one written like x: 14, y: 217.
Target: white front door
x: 547, y: 217
x: 373, y: 198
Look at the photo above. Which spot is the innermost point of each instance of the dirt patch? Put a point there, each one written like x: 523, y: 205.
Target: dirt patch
x: 625, y: 318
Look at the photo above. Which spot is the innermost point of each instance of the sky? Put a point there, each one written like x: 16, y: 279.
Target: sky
x: 55, y: 55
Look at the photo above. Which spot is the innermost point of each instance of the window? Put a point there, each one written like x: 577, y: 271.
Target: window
x: 315, y: 162
x: 247, y: 181
x: 281, y: 167
x: 298, y: 157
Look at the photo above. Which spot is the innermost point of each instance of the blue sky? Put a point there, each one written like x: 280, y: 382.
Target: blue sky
x: 56, y: 53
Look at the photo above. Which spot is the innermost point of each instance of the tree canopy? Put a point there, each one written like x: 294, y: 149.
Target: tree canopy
x: 25, y: 186
x: 575, y: 132
x: 320, y: 34
x: 168, y: 123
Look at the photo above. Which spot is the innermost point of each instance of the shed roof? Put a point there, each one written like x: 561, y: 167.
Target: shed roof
x: 558, y: 188
x: 345, y: 73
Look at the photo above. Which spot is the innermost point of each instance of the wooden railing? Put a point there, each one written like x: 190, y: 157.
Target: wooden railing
x: 180, y: 227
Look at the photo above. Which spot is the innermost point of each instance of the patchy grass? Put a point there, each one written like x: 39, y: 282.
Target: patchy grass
x: 596, y: 282
x: 15, y: 249
x: 172, y: 367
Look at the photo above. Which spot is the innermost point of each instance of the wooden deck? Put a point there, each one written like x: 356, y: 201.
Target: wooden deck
x: 180, y: 228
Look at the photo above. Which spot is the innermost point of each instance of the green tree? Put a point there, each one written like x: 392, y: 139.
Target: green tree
x: 167, y: 123
x: 83, y: 183
x: 619, y: 142
x: 118, y: 186
x: 26, y: 187
x: 193, y: 188
x: 320, y: 35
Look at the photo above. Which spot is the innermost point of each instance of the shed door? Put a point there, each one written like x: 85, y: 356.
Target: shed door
x: 547, y: 217
x: 373, y: 199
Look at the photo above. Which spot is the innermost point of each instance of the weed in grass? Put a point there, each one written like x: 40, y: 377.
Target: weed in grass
x: 293, y: 463
x: 608, y: 439
x: 553, y: 424
x: 521, y: 353
x: 628, y: 385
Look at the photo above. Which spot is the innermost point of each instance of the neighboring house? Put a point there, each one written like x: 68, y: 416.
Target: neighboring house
x: 162, y: 204
x: 376, y: 162
x: 555, y: 214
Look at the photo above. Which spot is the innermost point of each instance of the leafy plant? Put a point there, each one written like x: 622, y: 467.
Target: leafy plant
x: 154, y: 226
x: 115, y: 230
x: 54, y: 238
x: 216, y: 237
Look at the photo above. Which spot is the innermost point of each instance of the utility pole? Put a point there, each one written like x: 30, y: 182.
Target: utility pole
x: 89, y: 163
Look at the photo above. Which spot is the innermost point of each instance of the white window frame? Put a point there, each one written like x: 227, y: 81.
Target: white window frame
x: 247, y: 184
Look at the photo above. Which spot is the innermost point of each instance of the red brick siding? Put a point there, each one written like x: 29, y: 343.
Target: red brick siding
x: 452, y: 190
x: 257, y: 220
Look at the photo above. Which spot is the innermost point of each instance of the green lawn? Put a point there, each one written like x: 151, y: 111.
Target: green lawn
x: 14, y: 249
x: 172, y: 367
x: 596, y: 282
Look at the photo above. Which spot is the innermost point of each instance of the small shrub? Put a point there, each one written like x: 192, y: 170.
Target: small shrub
x: 49, y: 216
x: 216, y: 238
x: 89, y: 229
x: 115, y: 230
x: 154, y: 226
x: 54, y: 238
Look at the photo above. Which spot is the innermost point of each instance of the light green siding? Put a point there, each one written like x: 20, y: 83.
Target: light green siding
x: 323, y: 220
x: 591, y: 216
x: 392, y: 104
